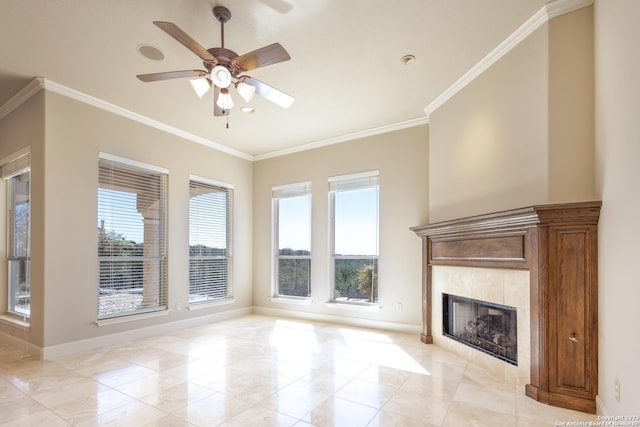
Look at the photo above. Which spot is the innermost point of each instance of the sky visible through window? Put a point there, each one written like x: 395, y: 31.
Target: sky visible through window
x: 294, y: 219
x: 356, y: 219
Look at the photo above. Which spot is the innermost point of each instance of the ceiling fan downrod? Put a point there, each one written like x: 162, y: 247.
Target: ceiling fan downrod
x: 223, y: 15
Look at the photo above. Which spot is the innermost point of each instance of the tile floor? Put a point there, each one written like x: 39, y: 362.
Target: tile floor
x: 265, y: 371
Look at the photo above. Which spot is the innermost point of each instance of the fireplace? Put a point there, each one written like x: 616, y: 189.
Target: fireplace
x: 490, y: 328
x: 556, y: 247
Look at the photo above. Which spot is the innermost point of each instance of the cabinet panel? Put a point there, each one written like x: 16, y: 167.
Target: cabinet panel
x: 571, y: 316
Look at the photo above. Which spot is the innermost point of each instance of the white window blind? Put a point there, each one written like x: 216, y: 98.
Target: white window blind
x: 16, y: 172
x: 353, y: 201
x: 210, y: 241
x: 356, y: 181
x: 292, y: 238
x: 16, y: 166
x: 132, y: 259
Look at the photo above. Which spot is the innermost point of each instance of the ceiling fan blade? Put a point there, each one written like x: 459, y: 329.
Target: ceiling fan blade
x: 174, y: 31
x: 217, y: 111
x: 264, y: 56
x: 272, y: 94
x: 168, y: 75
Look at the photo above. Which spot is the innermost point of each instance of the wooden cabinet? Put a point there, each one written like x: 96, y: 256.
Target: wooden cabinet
x: 567, y: 307
x: 558, y: 245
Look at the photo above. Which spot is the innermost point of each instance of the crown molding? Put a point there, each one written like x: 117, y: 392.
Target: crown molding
x: 344, y: 138
x: 39, y: 83
x: 123, y: 112
x: 546, y: 13
x: 541, y: 17
x: 33, y: 87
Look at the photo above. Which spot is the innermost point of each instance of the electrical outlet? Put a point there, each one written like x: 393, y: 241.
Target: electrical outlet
x: 178, y: 306
x: 617, y: 390
x: 398, y: 307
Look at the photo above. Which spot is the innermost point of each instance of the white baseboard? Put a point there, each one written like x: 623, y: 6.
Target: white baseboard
x: 343, y: 320
x: 88, y: 344
x: 66, y: 349
x: 601, y: 409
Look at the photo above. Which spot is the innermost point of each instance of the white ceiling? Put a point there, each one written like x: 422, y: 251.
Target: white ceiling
x: 345, y: 69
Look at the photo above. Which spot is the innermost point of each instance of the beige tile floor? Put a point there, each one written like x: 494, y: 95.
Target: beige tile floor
x: 265, y: 371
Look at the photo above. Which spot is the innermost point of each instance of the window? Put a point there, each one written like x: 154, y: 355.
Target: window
x: 353, y: 201
x: 210, y: 226
x: 131, y: 237
x: 17, y: 176
x: 292, y: 240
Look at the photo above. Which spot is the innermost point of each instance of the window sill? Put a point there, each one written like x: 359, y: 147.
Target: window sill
x: 130, y: 318
x: 209, y: 304
x: 354, y: 306
x: 297, y: 301
x: 16, y: 322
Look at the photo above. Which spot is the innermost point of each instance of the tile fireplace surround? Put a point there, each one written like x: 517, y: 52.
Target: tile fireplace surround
x: 499, y: 286
x: 543, y: 261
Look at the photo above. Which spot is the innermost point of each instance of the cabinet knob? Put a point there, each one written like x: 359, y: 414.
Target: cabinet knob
x: 573, y: 337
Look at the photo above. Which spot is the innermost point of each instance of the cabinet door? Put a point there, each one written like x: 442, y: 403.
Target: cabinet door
x: 572, y: 315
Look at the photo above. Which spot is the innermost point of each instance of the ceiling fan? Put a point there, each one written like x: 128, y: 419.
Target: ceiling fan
x: 224, y: 68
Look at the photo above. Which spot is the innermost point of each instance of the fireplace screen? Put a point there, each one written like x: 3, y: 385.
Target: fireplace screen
x: 488, y: 327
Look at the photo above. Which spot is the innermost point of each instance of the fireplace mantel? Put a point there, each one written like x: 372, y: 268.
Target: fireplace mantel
x: 558, y: 245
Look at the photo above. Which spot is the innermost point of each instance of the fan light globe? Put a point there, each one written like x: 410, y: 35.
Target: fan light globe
x: 224, y: 100
x: 221, y: 76
x: 246, y: 91
x: 200, y: 86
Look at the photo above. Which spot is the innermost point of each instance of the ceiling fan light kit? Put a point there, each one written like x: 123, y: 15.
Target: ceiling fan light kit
x: 221, y: 76
x: 224, y: 67
x: 246, y: 91
x: 224, y: 100
x: 200, y: 86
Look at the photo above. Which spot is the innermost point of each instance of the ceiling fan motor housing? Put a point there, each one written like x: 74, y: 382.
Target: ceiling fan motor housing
x: 225, y: 58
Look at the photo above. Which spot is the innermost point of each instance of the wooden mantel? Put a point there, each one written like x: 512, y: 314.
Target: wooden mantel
x: 558, y: 245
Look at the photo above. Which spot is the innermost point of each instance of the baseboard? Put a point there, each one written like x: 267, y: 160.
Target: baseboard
x: 88, y: 344
x: 73, y: 347
x: 601, y: 408
x: 348, y: 321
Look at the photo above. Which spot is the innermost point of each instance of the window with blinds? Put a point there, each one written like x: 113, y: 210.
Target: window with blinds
x: 132, y: 221
x: 210, y: 240
x: 353, y: 201
x: 292, y: 238
x: 16, y: 174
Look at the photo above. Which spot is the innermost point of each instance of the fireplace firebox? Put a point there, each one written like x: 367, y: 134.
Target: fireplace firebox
x: 490, y: 328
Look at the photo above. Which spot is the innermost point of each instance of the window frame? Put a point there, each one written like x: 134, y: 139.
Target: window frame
x: 345, y: 183
x: 229, y: 209
x: 287, y: 191
x: 159, y: 291
x: 12, y: 167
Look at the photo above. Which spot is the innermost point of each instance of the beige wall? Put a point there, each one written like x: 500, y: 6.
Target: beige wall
x: 402, y: 158
x: 617, y: 94
x: 571, y: 108
x: 522, y: 132
x: 25, y: 127
x: 75, y: 134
